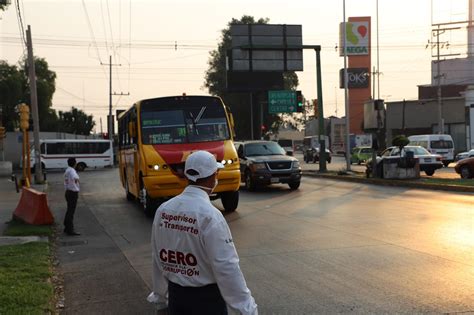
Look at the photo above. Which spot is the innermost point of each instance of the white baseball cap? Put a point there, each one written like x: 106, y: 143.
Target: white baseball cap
x: 202, y: 164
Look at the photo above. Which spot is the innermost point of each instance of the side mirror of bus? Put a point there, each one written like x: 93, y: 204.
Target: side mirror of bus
x: 132, y: 130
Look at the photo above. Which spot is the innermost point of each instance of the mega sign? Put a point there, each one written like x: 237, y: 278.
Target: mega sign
x: 357, y: 38
x: 358, y: 78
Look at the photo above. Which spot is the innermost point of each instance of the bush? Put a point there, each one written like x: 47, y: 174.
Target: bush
x: 400, y: 141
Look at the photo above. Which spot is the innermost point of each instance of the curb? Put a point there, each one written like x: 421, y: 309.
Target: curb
x: 392, y: 182
x: 16, y: 240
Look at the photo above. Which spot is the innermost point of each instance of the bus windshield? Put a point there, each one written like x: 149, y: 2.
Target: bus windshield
x: 187, y: 120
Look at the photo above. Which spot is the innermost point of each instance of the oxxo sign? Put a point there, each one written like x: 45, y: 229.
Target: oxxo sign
x: 358, y: 78
x: 357, y: 38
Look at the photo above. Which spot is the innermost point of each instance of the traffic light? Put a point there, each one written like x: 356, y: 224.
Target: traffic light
x: 2, y: 133
x: 299, y: 102
x: 24, y: 116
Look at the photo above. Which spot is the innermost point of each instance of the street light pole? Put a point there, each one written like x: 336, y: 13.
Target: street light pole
x: 346, y: 94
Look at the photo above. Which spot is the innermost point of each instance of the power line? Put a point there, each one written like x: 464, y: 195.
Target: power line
x: 20, y: 25
x: 129, y: 41
x: 105, y: 29
x: 111, y: 33
x: 91, y: 30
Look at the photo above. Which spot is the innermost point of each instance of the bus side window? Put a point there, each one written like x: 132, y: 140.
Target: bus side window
x: 132, y: 122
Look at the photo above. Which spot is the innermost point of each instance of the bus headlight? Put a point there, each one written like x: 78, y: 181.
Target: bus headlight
x: 156, y: 167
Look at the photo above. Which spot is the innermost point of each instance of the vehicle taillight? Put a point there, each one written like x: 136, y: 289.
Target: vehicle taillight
x: 438, y: 158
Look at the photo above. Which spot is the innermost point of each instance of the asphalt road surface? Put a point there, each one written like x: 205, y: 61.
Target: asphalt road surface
x: 329, y: 247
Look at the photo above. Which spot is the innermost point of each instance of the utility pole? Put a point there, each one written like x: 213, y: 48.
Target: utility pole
x: 437, y: 32
x: 110, y: 119
x: 378, y: 65
x: 34, y: 107
x: 347, y: 147
x: 438, y: 92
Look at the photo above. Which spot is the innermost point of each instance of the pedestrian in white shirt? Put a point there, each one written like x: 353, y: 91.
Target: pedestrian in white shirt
x: 71, y: 185
x: 195, y: 263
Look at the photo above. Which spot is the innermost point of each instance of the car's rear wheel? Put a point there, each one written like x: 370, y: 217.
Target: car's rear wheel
x: 465, y: 172
x: 294, y: 185
x: 249, y: 182
x: 445, y: 163
x: 429, y: 172
x: 230, y: 200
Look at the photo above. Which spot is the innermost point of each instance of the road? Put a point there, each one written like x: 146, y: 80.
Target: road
x: 329, y: 247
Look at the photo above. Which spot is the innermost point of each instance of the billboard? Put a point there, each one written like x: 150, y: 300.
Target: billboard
x: 266, y: 47
x: 357, y: 38
x: 374, y: 114
x: 358, y: 78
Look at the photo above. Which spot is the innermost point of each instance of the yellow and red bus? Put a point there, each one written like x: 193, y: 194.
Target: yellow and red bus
x: 157, y: 135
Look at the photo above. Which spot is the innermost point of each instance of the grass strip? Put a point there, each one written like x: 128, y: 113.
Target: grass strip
x: 24, y: 279
x: 19, y: 228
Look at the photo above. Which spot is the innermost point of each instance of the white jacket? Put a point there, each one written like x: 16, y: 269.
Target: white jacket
x: 192, y: 246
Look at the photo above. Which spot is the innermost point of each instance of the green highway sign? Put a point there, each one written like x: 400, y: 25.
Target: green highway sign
x: 281, y: 102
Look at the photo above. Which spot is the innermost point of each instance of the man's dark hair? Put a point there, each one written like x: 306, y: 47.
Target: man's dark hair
x: 199, y: 180
x: 71, y: 162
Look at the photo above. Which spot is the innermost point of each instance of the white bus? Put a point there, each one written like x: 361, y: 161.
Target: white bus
x: 88, y: 153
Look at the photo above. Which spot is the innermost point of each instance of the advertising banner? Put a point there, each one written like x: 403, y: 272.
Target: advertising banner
x: 358, y: 78
x: 357, y: 38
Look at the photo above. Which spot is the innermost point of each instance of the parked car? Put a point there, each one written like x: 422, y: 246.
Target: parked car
x: 429, y: 163
x: 312, y: 155
x: 265, y: 162
x: 361, y: 154
x: 464, y: 155
x: 465, y: 167
x: 436, y: 144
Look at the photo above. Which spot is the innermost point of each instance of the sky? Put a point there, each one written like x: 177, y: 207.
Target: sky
x: 161, y: 48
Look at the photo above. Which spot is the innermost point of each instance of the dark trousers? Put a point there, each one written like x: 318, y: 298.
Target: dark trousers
x: 206, y: 300
x: 71, y: 199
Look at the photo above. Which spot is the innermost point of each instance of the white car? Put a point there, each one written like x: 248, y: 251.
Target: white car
x: 429, y: 163
x: 464, y: 155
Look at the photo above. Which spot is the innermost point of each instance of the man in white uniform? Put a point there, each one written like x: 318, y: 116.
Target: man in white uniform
x: 195, y: 264
x: 71, y: 185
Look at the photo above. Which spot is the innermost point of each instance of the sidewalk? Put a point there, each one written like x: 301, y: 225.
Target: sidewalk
x: 98, y: 278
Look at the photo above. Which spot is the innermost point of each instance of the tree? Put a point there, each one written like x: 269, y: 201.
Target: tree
x: 2, y: 7
x: 76, y: 121
x: 14, y: 89
x: 45, y: 88
x: 215, y: 82
x: 11, y: 94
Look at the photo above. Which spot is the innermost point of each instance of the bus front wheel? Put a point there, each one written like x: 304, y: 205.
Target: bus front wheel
x: 149, y: 204
x: 230, y: 200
